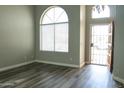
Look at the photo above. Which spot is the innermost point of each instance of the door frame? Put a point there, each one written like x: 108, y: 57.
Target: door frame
x: 113, y: 38
x: 90, y: 41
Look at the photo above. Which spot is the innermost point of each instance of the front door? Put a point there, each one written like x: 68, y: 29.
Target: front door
x: 101, y: 44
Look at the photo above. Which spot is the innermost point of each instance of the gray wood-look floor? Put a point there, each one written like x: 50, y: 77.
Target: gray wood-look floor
x: 38, y: 75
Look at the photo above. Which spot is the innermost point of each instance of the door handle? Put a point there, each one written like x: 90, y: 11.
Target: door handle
x: 91, y: 45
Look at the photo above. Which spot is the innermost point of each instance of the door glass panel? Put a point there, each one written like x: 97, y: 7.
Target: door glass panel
x: 100, y: 44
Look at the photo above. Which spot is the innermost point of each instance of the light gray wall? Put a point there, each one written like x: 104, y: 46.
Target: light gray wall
x: 16, y: 34
x: 74, y: 37
x: 119, y: 43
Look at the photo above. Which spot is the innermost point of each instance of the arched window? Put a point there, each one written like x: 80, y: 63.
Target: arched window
x: 100, y: 11
x: 54, y: 30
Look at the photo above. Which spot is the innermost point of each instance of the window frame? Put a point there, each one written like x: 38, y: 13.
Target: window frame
x: 40, y: 32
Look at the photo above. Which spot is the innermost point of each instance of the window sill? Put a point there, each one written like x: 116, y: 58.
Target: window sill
x: 52, y: 52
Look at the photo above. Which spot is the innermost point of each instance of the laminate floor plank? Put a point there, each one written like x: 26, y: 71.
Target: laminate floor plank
x: 52, y: 80
x: 39, y: 75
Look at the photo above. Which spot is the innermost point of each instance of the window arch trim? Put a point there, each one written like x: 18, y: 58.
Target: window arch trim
x: 46, y: 10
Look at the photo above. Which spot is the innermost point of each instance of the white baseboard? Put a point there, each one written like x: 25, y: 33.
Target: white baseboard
x: 60, y: 64
x: 82, y: 64
x: 87, y: 62
x: 15, y: 66
x: 118, y: 79
x: 39, y: 61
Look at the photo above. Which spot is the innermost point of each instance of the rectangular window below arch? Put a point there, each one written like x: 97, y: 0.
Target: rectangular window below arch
x: 54, y: 37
